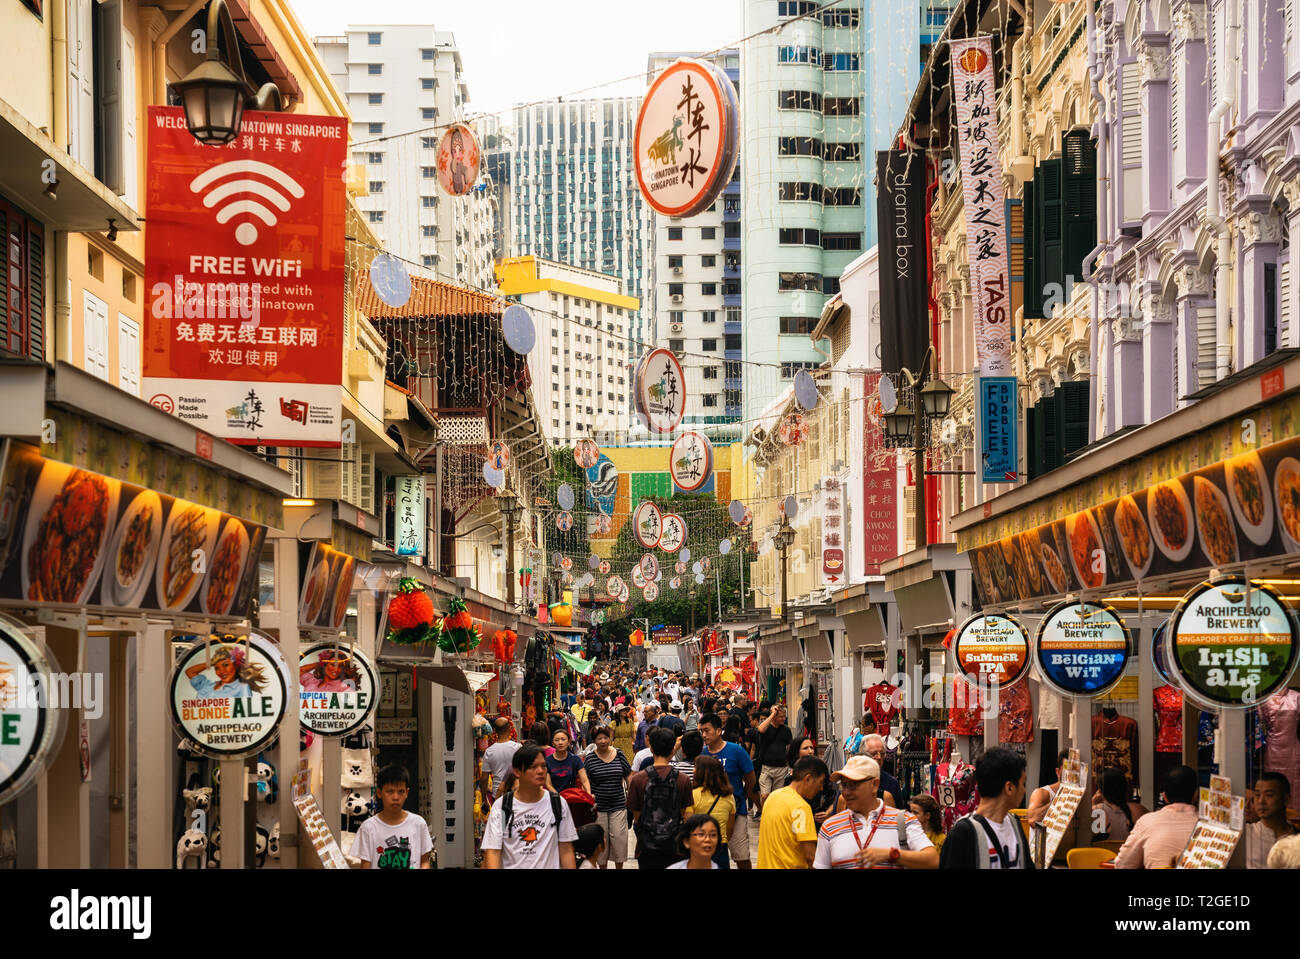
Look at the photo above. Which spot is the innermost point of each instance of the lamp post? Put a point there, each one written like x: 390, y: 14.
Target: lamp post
x: 784, y: 539
x: 690, y: 596
x: 907, y: 428
x: 215, y: 92
x: 508, y: 504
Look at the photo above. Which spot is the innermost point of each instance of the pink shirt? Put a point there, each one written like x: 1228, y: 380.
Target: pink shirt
x: 1157, y: 838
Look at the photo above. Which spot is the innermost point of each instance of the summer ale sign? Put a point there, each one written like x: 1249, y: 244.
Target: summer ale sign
x: 244, y: 266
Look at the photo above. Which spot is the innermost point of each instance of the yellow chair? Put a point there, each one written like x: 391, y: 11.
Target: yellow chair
x: 1023, y: 816
x: 1114, y: 845
x: 1090, y: 857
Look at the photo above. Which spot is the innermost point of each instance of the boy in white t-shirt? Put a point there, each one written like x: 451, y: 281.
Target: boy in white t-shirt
x: 395, y: 838
x: 529, y: 827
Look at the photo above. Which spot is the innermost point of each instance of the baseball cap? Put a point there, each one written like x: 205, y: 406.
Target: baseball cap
x: 675, y: 707
x: 859, y: 768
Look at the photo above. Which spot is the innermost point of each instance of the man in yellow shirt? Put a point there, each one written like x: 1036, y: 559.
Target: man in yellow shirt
x: 787, y: 836
x: 582, y: 710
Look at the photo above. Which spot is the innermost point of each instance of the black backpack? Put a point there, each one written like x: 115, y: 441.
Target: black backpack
x: 660, y: 813
x: 508, y: 811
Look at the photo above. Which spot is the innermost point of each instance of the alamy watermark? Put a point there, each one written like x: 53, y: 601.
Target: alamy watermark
x: 84, y: 691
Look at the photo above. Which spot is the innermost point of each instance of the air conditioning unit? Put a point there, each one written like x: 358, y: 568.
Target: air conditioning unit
x: 677, y: 271
x: 676, y: 327
x: 677, y: 297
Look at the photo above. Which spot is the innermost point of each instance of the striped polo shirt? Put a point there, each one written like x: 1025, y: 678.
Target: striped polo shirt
x: 837, y: 848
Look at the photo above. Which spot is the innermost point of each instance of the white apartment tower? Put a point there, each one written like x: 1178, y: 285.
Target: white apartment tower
x: 405, y: 85
x: 697, y: 274
x: 574, y: 193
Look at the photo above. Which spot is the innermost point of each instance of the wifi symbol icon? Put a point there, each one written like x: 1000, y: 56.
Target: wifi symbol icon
x: 237, y: 193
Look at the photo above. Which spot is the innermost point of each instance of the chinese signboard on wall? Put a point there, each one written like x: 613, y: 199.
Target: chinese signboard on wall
x: 410, y: 515
x: 879, y: 483
x: 833, y: 539
x: 244, y: 267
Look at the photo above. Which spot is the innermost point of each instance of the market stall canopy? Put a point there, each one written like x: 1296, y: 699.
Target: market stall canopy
x: 576, y: 663
x: 478, y: 680
x: 453, y: 677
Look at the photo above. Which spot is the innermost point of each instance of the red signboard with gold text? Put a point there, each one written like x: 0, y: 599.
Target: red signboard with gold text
x: 244, y: 257
x: 880, y: 515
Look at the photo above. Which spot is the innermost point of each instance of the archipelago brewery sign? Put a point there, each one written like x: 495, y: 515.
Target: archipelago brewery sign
x: 992, y: 650
x: 1231, y: 644
x: 336, y: 689
x: 30, y: 729
x: 1082, y: 649
x: 228, y: 697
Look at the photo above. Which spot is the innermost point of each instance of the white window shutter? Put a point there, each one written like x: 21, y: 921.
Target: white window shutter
x: 293, y: 466
x: 1284, y: 337
x: 128, y: 354
x: 130, y: 145
x: 95, y: 313
x: 909, y: 508
x: 366, y: 483
x: 81, y: 83
x: 350, y: 474
x: 1131, y: 140
x: 1205, y: 354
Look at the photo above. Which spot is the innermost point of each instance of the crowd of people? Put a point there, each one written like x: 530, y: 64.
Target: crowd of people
x: 662, y: 766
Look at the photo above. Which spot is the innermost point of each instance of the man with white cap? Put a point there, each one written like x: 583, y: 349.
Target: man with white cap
x: 869, y: 834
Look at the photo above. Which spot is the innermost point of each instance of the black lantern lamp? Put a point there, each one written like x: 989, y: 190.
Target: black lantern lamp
x: 215, y: 92
x: 936, y: 395
x: 898, y: 426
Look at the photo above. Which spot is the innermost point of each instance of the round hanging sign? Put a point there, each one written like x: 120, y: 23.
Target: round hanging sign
x: 493, y: 477
x: 1160, y: 654
x: 614, y: 585
x: 691, y: 462
x: 699, y: 577
x: 674, y: 533
x: 660, y: 391
x: 684, y: 554
x: 604, y: 567
x: 638, y: 577
x: 602, y: 485
x: 697, y: 568
x: 458, y: 160
x: 564, y: 496
x: 724, y: 547
x: 593, y: 561
x: 805, y: 390
x: 1082, y: 649
x: 603, y: 524
x: 679, y: 567
x: 555, y: 558
x: 647, y: 524
x: 228, y: 698
x: 1232, y: 644
x: 586, y: 453
x: 794, y: 428
x: 31, y: 723
x: 390, y: 280
x: 992, y: 650
x: 789, y: 507
x: 518, y: 329
x: 649, y: 566
x: 564, y: 521
x: 566, y: 563
x: 336, y: 689
x: 736, y: 510
x: 650, y: 593
x: 499, y: 455
x: 675, y: 582
x: 623, y: 593
x: 684, y: 134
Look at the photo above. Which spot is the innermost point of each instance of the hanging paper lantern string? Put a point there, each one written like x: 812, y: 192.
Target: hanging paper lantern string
x: 411, y: 616
x: 460, y: 633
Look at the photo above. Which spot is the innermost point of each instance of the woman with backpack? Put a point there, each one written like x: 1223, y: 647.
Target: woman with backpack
x: 712, y: 796
x: 608, y: 770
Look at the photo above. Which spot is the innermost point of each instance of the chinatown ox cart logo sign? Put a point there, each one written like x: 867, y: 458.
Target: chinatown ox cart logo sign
x: 659, y: 389
x: 691, y: 462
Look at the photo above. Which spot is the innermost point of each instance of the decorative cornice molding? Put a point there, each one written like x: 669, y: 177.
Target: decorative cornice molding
x: 1260, y: 227
x: 1192, y: 282
x: 1153, y: 63
x: 1189, y: 23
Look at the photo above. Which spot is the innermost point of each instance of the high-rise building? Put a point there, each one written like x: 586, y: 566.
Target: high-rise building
x: 405, y: 85
x: 696, y: 269
x: 579, y: 363
x: 575, y: 197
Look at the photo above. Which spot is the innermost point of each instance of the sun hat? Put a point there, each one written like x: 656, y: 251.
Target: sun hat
x: 858, y: 769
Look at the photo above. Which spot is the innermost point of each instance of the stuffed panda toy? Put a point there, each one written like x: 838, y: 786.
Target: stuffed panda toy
x: 273, y: 842
x: 355, y: 805
x: 268, y: 786
x: 261, y: 844
x: 200, y: 798
x: 214, y: 844
x: 193, y: 844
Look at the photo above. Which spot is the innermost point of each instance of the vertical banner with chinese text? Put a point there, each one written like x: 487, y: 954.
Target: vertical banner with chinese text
x: 244, y: 259
x: 880, y: 515
x: 409, y: 514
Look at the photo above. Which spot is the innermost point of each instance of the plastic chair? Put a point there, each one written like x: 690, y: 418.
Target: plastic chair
x: 1023, y: 816
x: 1114, y: 845
x: 1090, y: 857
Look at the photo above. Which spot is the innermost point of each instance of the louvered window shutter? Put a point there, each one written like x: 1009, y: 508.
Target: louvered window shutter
x: 1284, y: 299
x: 293, y: 466
x: 1205, y: 335
x: 1079, y: 202
x: 1047, y: 231
x: 1212, y: 58
x: 909, y: 507
x: 1073, y: 413
x: 1033, y: 257
x: 1175, y: 111
x: 1131, y: 141
x: 1051, y: 446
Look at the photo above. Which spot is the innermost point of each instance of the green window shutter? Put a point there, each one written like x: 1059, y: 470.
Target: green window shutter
x: 1072, y: 404
x: 1033, y: 258
x: 1050, y: 266
x: 1034, y: 444
x: 1051, y: 450
x: 1079, y: 160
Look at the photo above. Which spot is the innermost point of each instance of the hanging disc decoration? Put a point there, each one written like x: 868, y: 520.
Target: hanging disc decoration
x: 697, y: 568
x: 649, y: 566
x: 564, y: 521
x: 789, y: 507
x: 674, y: 533
x: 724, y: 547
x: 586, y: 453
x: 679, y: 567
x: 659, y: 389
x: 888, y: 394
x: 684, y: 554
x: 593, y: 561
x: 993, y: 650
x: 706, y: 564
x: 518, y: 329
x: 650, y: 592
x: 1082, y: 649
x: 566, y: 563
x: 647, y: 524
x: 699, y: 577
x: 493, y: 477
x: 638, y: 577
x: 499, y: 455
x: 604, y: 567
x: 805, y: 390
x: 604, y: 525
x: 736, y: 510
x: 459, y: 158
x: 675, y: 582
x: 602, y: 485
x: 564, y: 496
x: 614, y: 585
x: 555, y: 558
x: 691, y: 462
x: 793, y: 430
x: 390, y: 280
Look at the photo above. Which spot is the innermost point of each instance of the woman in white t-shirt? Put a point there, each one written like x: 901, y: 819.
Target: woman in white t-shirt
x: 698, y: 839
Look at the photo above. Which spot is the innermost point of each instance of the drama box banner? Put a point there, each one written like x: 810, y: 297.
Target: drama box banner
x: 900, y: 219
x: 244, y: 271
x: 984, y: 201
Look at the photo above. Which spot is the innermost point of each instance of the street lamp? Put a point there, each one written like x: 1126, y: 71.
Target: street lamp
x: 906, y: 427
x: 213, y: 94
x: 783, y: 538
x: 511, y: 509
x: 690, y: 595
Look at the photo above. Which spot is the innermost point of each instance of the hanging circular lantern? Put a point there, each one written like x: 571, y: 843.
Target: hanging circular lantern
x: 604, y: 525
x: 705, y: 563
x: 691, y: 462
x: 649, y: 566
x: 586, y: 453
x: 411, y: 616
x: 647, y: 524
x: 650, y: 593
x: 675, y: 582
x: 564, y: 521
x: 564, y: 496
x: 679, y: 567
x: 794, y: 429
x: 674, y: 533
x: 659, y: 389
x: 614, y: 585
x: 458, y: 160
x: 499, y: 455
x: 566, y: 563
x: 638, y: 578
x: 604, y: 567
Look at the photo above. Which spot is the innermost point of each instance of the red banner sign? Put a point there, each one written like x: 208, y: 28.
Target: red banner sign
x: 244, y: 264
x: 880, y: 515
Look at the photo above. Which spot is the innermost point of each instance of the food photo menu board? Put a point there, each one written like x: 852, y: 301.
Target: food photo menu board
x: 1245, y: 507
x: 71, y: 537
x: 326, y: 578
x: 1221, y: 817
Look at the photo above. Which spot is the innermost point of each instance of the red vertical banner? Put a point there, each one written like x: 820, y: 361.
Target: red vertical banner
x: 244, y: 264
x: 880, y: 514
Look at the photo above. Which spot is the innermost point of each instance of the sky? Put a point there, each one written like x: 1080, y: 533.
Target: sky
x: 523, y: 50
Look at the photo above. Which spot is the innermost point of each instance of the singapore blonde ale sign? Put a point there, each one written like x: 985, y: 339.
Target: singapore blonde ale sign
x: 228, y: 697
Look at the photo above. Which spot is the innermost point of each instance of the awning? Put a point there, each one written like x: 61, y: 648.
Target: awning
x: 577, y: 663
x: 478, y: 680
x: 785, y: 653
x: 865, y: 629
x: 453, y: 677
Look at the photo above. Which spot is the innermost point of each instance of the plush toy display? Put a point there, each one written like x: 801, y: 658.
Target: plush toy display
x: 411, y: 616
x: 192, y: 845
x: 268, y: 786
x: 355, y: 804
x: 261, y: 843
x: 460, y: 633
x: 273, y: 843
x: 200, y: 798
x: 214, y: 843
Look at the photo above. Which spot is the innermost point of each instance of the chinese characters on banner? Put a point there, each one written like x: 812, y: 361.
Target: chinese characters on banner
x: 244, y: 264
x: 986, y: 242
x: 879, y: 481
x: 833, y: 538
x: 409, y: 503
